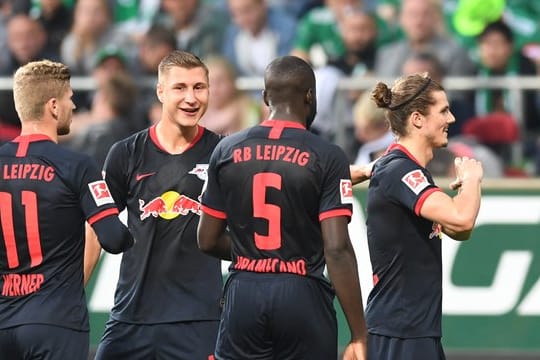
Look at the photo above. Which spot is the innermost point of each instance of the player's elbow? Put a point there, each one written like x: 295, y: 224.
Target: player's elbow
x: 112, y: 235
x: 119, y: 244
x: 459, y: 229
x: 205, y: 242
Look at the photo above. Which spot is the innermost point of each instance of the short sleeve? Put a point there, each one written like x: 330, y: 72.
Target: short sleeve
x: 114, y: 171
x: 408, y: 184
x: 212, y: 198
x: 95, y: 198
x: 336, y: 190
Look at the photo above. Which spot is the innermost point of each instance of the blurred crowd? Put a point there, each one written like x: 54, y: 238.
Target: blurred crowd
x: 116, y: 43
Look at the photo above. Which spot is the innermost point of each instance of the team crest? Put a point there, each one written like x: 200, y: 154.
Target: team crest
x: 345, y: 191
x: 201, y: 171
x: 415, y: 180
x: 100, y: 192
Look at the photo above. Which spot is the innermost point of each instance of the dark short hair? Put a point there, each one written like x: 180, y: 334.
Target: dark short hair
x: 500, y: 27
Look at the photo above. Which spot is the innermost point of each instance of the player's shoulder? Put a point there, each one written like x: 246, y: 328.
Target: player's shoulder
x: 395, y: 161
x: 211, y: 138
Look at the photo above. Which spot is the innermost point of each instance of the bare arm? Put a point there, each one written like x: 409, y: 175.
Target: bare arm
x: 92, y: 251
x: 361, y: 173
x: 457, y: 214
x: 343, y: 271
x: 212, y: 237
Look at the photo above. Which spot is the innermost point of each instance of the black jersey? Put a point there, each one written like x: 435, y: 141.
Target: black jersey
x: 164, y: 277
x: 46, y: 194
x: 274, y: 183
x: 405, y: 250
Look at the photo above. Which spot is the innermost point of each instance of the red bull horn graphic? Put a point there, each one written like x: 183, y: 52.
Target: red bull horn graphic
x: 169, y: 206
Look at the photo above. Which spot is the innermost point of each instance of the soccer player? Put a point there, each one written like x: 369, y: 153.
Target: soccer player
x: 406, y: 214
x: 167, y: 300
x: 286, y: 197
x: 46, y: 194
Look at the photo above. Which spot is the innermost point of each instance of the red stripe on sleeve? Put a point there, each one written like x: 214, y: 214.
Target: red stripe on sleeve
x: 334, y: 213
x: 100, y: 215
x: 422, y: 199
x: 215, y: 213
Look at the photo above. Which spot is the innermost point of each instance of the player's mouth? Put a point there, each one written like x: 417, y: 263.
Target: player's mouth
x: 191, y: 111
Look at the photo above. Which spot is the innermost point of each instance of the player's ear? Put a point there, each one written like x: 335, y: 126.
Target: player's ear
x: 52, y: 107
x: 417, y: 119
x: 265, y: 97
x: 309, y: 96
x: 159, y: 92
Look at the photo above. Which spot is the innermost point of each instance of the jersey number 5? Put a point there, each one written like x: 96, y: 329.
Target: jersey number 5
x: 29, y: 201
x: 270, y: 212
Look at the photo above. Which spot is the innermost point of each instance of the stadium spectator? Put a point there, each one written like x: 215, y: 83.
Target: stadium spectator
x: 229, y: 109
x: 26, y: 42
x: 57, y: 20
x: 422, y: 24
x: 92, y: 29
x: 371, y: 129
x: 317, y: 36
x: 359, y: 33
x: 109, y: 117
x: 199, y: 28
x: 498, y: 56
x: 258, y: 34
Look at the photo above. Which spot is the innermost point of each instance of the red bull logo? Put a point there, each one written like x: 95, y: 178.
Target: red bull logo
x: 169, y: 206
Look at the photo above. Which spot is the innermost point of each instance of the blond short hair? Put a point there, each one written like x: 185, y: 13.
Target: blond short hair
x: 182, y: 59
x: 36, y: 83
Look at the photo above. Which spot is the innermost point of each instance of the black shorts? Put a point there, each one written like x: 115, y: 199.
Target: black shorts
x: 45, y: 342
x: 277, y: 316
x: 180, y: 340
x: 382, y: 347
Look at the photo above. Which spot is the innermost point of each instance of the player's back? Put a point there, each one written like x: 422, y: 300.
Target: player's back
x: 42, y: 214
x: 273, y: 179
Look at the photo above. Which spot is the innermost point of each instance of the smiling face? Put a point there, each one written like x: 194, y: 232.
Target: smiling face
x: 184, y: 95
x: 437, y: 121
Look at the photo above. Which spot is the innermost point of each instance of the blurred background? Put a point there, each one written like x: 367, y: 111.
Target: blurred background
x: 485, y: 52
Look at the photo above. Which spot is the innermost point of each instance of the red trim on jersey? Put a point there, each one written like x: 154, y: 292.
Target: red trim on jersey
x: 102, y: 214
x: 195, y: 140
x: 278, y: 126
x: 333, y: 213
x: 422, y: 199
x: 154, y: 138
x: 375, y: 279
x: 404, y: 149
x: 24, y: 140
x: 283, y: 123
x: 213, y: 212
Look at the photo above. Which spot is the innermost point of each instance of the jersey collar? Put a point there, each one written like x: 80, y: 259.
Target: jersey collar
x: 31, y: 138
x: 396, y: 146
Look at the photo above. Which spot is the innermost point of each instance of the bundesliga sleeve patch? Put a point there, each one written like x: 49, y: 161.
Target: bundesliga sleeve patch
x: 345, y: 189
x: 100, y: 192
x: 416, y: 181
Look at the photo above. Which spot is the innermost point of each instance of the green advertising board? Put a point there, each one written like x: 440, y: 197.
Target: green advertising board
x: 491, y: 283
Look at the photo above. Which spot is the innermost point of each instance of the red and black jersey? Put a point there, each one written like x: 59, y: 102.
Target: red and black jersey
x: 405, y: 250
x: 46, y: 194
x: 164, y: 277
x: 274, y: 183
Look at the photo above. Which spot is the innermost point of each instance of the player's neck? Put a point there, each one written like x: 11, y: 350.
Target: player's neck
x: 175, y: 139
x: 38, y: 127
x: 422, y: 153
